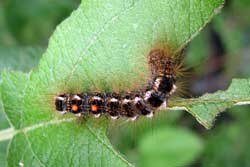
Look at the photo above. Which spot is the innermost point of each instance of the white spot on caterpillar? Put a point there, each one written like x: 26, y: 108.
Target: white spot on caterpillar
x: 173, y: 89
x: 97, y: 98
x: 114, y: 117
x: 97, y: 115
x: 133, y: 118
x: 60, y: 98
x: 137, y: 99
x: 76, y: 97
x: 125, y: 101
x: 113, y: 100
x: 147, y: 95
x: 150, y: 115
x: 163, y: 106
x: 157, y: 83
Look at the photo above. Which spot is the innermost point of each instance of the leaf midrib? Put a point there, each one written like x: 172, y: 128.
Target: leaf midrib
x: 189, y: 102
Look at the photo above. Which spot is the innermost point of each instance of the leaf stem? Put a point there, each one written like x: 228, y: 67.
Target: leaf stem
x: 7, y: 134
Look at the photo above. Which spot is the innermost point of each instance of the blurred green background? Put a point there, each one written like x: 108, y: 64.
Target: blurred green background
x: 218, y: 54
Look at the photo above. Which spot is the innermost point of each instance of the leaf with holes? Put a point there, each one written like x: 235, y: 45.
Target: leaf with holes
x: 208, y: 106
x: 102, y: 46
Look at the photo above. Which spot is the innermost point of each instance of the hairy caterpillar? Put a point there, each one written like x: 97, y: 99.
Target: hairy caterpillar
x: 127, y: 104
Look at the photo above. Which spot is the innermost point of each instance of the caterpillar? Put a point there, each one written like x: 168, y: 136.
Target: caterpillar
x: 132, y: 104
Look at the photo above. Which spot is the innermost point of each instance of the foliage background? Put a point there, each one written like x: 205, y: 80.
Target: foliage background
x: 219, y: 53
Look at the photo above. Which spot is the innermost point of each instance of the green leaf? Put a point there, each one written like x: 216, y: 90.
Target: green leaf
x: 229, y: 144
x: 26, y: 143
x: 126, y: 140
x: 64, y: 143
x: 19, y: 58
x: 12, y: 92
x: 208, y: 106
x: 169, y: 146
x: 3, y: 120
x: 14, y: 58
x: 102, y: 46
x: 87, y: 62
x: 3, y: 150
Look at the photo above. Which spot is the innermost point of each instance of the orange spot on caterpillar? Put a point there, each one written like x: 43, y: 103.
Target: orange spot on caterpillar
x: 94, y: 108
x: 74, y: 108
